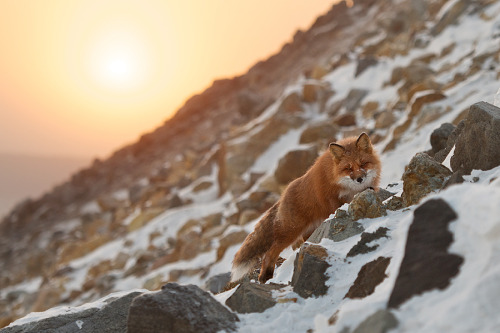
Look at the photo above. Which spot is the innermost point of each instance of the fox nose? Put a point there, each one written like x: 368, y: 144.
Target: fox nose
x: 359, y: 180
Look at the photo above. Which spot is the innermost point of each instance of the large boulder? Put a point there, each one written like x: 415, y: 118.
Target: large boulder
x: 366, y: 204
x: 179, y: 308
x: 109, y: 318
x: 422, y: 176
x: 478, y: 146
x: 252, y: 297
x: 439, y: 137
x: 427, y: 264
x: 309, y: 278
x: 294, y: 164
x: 319, y: 132
x: 338, y: 228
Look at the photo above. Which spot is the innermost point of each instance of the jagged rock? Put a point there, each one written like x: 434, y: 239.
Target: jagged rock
x: 395, y: 203
x: 369, y: 277
x: 249, y: 104
x: 346, y: 119
x: 366, y: 238
x: 383, y: 194
x: 252, y: 297
x: 415, y: 72
x: 313, y: 91
x: 427, y: 264
x: 353, y: 99
x: 291, y: 104
x: 337, y: 229
x: 366, y: 205
x: 111, y: 318
x: 439, y: 137
x: 422, y: 176
x: 381, y: 321
x: 478, y: 145
x: 179, y: 308
x: 294, y: 164
x: 217, y: 283
x: 319, y: 132
x: 385, y: 119
x: 455, y: 178
x: 441, y: 155
x: 364, y: 63
x: 309, y: 278
x: 318, y: 71
x: 370, y: 109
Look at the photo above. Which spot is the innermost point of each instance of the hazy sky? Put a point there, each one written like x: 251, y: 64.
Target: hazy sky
x: 83, y: 78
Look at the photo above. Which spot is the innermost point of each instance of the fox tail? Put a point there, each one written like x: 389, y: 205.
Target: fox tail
x: 255, y: 245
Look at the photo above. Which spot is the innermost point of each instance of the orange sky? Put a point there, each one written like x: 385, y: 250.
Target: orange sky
x: 83, y: 78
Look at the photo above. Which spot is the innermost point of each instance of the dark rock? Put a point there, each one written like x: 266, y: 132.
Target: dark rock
x: 253, y: 297
x: 294, y: 164
x: 337, y: 229
x: 456, y: 178
x: 112, y: 318
x: 395, y: 203
x: 309, y: 278
x: 381, y: 321
x: 217, y: 283
x: 383, y: 194
x: 346, y: 119
x: 312, y: 92
x: 439, y: 137
x: 179, y: 308
x: 366, y: 205
x: 353, y: 99
x: 364, y: 63
x: 369, y: 277
x: 478, y: 146
x: 427, y: 265
x: 422, y: 176
x: 248, y: 103
x: 291, y: 104
x: 366, y: 237
x: 174, y: 201
x: 450, y: 143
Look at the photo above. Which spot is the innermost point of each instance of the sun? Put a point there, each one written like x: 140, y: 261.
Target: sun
x: 119, y: 61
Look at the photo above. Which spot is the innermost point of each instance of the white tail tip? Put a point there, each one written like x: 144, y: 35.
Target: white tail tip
x: 240, y: 271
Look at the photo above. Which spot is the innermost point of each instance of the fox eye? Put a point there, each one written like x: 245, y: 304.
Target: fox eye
x: 348, y: 168
x: 364, y: 164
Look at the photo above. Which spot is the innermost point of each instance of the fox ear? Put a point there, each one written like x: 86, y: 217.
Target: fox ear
x: 337, y: 150
x: 364, y: 143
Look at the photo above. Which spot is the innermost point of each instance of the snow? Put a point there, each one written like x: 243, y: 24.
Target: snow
x: 496, y: 100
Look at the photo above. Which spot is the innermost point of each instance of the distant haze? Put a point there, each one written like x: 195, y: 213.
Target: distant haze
x: 23, y: 176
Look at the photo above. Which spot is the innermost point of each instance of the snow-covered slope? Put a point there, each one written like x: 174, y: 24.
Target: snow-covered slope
x: 416, y: 64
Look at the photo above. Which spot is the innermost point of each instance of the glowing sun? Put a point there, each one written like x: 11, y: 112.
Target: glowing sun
x: 119, y: 61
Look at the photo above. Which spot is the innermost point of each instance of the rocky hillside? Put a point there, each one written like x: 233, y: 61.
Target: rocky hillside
x: 176, y: 205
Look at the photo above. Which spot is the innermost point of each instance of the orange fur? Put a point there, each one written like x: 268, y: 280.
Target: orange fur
x: 348, y: 167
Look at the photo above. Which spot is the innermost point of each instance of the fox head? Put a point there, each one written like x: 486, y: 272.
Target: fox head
x: 357, y: 164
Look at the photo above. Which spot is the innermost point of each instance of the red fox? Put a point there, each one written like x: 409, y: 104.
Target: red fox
x: 349, y: 166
